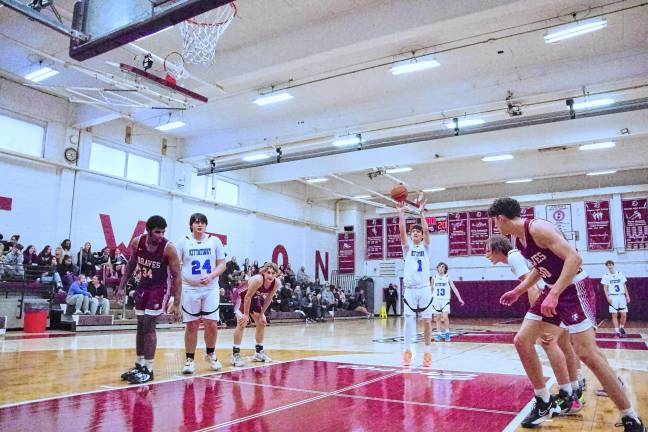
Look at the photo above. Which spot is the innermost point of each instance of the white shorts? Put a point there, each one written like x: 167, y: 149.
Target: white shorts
x: 418, y: 298
x: 200, y: 302
x: 618, y: 303
x: 440, y: 305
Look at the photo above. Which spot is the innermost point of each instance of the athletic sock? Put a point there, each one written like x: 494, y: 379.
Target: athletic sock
x: 190, y: 355
x: 149, y: 364
x: 616, y: 329
x: 140, y: 360
x: 575, y: 385
x: 258, y: 348
x: 543, y: 394
x: 210, y: 351
x: 410, y: 331
x: 630, y: 412
x: 236, y: 349
x: 567, y: 388
x: 428, y: 348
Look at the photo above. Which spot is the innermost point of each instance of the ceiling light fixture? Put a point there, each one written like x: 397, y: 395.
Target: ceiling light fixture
x: 436, y: 189
x: 41, y: 74
x: 256, y: 157
x: 575, y: 29
x: 593, y: 103
x: 466, y: 123
x: 273, y: 98
x: 497, y: 158
x: 398, y: 170
x: 597, y: 146
x: 348, y: 141
x: 170, y: 125
x: 414, y: 65
x: 362, y: 197
x: 596, y: 173
x: 526, y: 180
x: 317, y: 180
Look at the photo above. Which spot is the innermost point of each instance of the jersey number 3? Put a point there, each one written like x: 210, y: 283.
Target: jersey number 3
x: 195, y: 267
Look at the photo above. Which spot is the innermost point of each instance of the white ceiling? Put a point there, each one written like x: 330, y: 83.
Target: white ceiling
x: 334, y: 55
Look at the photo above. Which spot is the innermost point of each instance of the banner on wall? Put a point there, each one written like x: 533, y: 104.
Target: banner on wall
x: 525, y: 213
x: 394, y: 248
x: 635, y: 223
x: 346, y: 252
x: 375, y: 243
x: 478, y: 231
x: 597, y: 221
x: 560, y: 215
x: 458, y: 234
x: 437, y: 224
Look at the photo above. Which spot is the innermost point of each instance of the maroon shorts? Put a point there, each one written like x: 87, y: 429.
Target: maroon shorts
x: 576, y: 307
x: 255, y: 305
x: 150, y: 301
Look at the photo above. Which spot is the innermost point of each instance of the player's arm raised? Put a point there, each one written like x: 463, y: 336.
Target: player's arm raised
x: 130, y: 266
x: 401, y: 223
x: 176, y: 279
x: 424, y: 224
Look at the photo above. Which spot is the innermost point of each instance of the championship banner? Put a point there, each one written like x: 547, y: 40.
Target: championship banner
x: 478, y: 231
x: 635, y: 221
x: 394, y: 248
x: 458, y: 234
x: 560, y: 215
x: 375, y: 239
x: 597, y: 221
x: 346, y: 252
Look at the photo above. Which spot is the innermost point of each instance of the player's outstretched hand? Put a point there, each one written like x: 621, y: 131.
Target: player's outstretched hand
x: 462, y: 302
x: 509, y: 297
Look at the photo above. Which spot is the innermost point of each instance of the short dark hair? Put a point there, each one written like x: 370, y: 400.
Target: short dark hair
x: 507, y: 207
x: 608, y: 262
x: 416, y: 227
x: 444, y: 266
x: 499, y: 243
x: 155, y: 222
x: 197, y: 217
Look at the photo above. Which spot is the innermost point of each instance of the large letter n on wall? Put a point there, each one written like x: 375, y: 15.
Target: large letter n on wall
x: 319, y: 265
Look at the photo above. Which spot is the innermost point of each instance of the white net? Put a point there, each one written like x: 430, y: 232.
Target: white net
x: 200, y: 34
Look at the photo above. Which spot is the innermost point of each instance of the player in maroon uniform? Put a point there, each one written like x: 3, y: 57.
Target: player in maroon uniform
x: 253, y: 298
x: 154, y: 261
x: 568, y: 298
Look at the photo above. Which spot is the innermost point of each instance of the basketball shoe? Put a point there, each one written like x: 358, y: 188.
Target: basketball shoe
x: 189, y: 367
x: 143, y: 376
x: 564, y: 402
x: 407, y: 358
x: 540, y: 412
x: 237, y: 360
x: 261, y: 356
x: 126, y: 375
x: 427, y: 359
x: 213, y: 362
x: 631, y: 424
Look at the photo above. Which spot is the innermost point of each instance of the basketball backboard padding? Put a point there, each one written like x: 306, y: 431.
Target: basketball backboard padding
x: 111, y: 24
x: 162, y: 82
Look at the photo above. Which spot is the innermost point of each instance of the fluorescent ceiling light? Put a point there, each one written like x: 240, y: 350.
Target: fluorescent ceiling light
x: 273, y: 98
x: 414, y: 65
x: 317, y: 180
x: 575, y: 29
x: 153, y: 34
x: 349, y: 140
x: 169, y: 126
x: 497, y: 158
x: 595, y: 173
x: 41, y: 74
x: 436, y: 189
x: 256, y: 157
x: 593, y: 103
x: 362, y: 197
x: 597, y: 146
x: 527, y: 180
x: 398, y: 170
x: 466, y: 123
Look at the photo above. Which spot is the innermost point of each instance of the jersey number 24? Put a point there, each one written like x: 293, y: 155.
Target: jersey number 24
x: 196, y: 268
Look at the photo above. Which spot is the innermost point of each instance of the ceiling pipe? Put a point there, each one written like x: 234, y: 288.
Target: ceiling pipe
x: 331, y: 191
x: 342, y: 179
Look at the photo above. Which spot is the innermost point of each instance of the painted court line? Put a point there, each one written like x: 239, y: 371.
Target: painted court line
x: 263, y: 385
x: 524, y: 411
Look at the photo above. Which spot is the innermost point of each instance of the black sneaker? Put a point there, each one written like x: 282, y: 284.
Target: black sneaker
x: 143, y: 376
x: 564, y: 402
x: 127, y: 375
x: 622, y: 331
x: 631, y: 425
x: 540, y: 412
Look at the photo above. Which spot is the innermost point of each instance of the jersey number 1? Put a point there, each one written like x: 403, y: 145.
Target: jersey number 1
x: 195, y: 267
x: 420, y: 263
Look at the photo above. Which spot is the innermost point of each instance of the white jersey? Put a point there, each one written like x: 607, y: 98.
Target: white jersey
x: 441, y: 287
x: 416, y: 271
x: 198, y: 258
x: 520, y: 266
x: 615, y: 282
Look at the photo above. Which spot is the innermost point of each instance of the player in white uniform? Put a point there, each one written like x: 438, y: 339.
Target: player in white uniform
x: 559, y: 350
x: 417, y: 294
x: 441, y: 287
x: 616, y: 293
x: 203, y: 261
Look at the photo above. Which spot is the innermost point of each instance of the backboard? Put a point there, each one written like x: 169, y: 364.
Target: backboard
x: 109, y: 24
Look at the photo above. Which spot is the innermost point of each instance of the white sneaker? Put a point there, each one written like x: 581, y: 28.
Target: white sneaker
x: 261, y: 357
x: 189, y: 367
x: 77, y: 312
x: 213, y: 362
x: 237, y: 360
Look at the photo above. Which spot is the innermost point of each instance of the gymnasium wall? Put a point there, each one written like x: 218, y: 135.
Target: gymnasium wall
x: 52, y: 201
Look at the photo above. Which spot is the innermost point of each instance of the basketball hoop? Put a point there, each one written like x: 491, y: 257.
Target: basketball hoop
x: 200, y: 34
x: 174, y: 67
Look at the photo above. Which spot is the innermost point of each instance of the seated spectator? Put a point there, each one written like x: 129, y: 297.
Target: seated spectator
x: 58, y: 253
x: 316, y: 286
x: 316, y: 300
x: 255, y: 267
x: 289, y: 274
x: 66, y: 246
x: 287, y: 301
x: 342, y: 300
x: 99, y: 301
x: 359, y: 303
x: 78, y: 294
x: 67, y: 271
x: 50, y: 273
x: 104, y: 261
x: 13, y: 262
x: 85, y: 260
x: 302, y: 278
x: 226, y: 309
x: 30, y: 257
x: 119, y: 263
x: 246, y: 265
x: 45, y: 256
x: 275, y: 305
x: 328, y: 300
x: 2, y: 245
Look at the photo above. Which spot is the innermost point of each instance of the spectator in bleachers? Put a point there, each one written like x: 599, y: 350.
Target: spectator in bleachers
x: 287, y: 301
x: 119, y: 262
x: 359, y: 302
x: 328, y: 300
x: 255, y: 267
x: 66, y: 246
x: 78, y: 294
x: 302, y: 278
x: 45, y: 256
x: 50, y: 275
x: 232, y: 266
x: 2, y: 245
x: 289, y: 274
x: 58, y: 254
x: 99, y: 301
x: 67, y: 271
x: 316, y: 286
x: 30, y: 257
x: 13, y: 262
x: 104, y: 261
x: 85, y: 260
x: 246, y: 265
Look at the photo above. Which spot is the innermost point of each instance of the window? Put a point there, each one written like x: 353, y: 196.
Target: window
x: 143, y: 170
x: 21, y: 137
x: 198, y: 185
x: 107, y: 160
x: 226, y: 193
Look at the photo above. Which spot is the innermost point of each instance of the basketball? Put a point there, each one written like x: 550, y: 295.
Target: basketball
x: 399, y: 193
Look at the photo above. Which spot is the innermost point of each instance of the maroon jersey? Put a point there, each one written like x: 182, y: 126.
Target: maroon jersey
x: 151, y: 269
x: 548, y: 264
